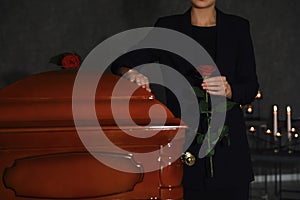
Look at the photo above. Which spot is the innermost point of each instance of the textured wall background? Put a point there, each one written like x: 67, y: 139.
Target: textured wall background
x: 31, y: 31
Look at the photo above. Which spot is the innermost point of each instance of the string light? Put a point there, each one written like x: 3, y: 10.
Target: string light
x: 249, y: 109
x: 268, y: 132
x: 259, y: 95
x: 294, y: 132
x: 278, y: 134
x: 252, y: 129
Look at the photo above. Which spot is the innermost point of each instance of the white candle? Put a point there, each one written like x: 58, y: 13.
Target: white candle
x: 289, y: 122
x: 275, y: 125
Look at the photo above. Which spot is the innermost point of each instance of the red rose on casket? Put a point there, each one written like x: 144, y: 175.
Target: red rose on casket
x: 67, y: 60
x: 71, y: 61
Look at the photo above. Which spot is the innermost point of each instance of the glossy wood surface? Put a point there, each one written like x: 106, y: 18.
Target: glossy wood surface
x: 43, y: 157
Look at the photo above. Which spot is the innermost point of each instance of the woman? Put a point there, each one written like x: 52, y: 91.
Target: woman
x: 227, y: 39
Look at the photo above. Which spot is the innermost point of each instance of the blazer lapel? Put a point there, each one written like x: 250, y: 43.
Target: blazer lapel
x: 187, y: 28
x: 221, y: 37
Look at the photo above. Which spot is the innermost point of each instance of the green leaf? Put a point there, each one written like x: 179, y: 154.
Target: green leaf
x: 215, y: 142
x: 224, y: 130
x: 57, y: 59
x: 198, y: 76
x: 203, y: 106
x: 224, y: 106
x: 200, y: 139
x: 199, y: 93
x: 228, y: 141
x: 221, y: 107
x: 230, y: 105
x: 211, y: 153
x: 190, y: 133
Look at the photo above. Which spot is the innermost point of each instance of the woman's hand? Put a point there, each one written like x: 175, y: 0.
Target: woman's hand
x: 217, y: 85
x: 138, y: 78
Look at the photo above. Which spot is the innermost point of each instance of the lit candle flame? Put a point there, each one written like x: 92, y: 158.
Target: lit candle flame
x: 275, y: 108
x: 288, y: 110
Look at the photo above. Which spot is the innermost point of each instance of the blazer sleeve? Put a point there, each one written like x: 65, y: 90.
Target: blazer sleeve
x: 135, y: 58
x: 245, y: 88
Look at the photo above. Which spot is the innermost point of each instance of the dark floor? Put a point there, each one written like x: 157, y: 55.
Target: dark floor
x: 277, y: 177
x: 290, y: 190
x: 276, y: 167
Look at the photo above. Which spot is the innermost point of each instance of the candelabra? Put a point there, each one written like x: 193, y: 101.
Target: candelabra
x: 280, y: 136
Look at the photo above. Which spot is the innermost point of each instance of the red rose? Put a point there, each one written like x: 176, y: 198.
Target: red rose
x: 71, y: 61
x: 206, y: 70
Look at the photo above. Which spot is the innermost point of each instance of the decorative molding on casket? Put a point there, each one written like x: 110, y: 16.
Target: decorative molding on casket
x: 43, y: 157
x: 70, y: 175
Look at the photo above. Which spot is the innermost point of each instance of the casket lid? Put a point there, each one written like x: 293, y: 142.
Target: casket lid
x: 59, y: 85
x: 47, y: 98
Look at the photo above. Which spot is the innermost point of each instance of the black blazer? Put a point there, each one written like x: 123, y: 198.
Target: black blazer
x: 235, y: 60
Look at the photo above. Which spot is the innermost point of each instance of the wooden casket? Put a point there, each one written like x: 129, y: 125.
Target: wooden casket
x: 42, y: 155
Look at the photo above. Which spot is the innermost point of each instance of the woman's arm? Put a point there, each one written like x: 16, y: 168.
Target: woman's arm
x: 245, y: 86
x: 124, y: 64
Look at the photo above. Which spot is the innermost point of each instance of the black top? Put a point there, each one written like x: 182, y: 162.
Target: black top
x: 207, y: 37
x: 234, y: 57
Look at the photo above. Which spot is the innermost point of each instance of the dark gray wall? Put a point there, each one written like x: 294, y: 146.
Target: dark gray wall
x: 34, y: 30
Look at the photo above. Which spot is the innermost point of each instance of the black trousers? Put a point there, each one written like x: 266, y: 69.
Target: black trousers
x: 234, y: 193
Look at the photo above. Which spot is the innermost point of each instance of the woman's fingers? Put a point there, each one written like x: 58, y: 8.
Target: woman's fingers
x: 143, y: 81
x: 138, y: 78
x: 214, y: 83
x: 217, y: 86
x: 215, y: 80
